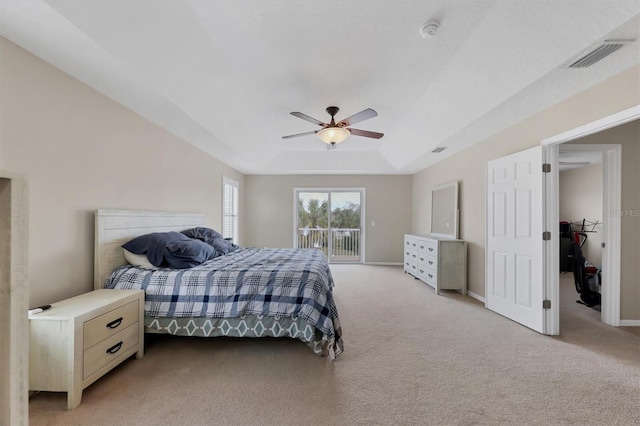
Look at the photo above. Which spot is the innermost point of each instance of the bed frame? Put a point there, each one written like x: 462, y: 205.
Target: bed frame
x: 116, y: 227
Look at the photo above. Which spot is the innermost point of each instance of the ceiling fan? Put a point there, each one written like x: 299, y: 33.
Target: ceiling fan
x: 334, y: 133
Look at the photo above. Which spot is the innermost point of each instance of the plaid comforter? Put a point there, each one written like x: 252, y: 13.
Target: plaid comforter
x: 295, y: 283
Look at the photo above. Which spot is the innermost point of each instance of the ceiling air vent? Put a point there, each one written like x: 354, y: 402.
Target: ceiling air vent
x: 601, y: 51
x: 439, y: 149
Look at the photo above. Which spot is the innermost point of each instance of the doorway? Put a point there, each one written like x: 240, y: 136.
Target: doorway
x: 581, y: 213
x: 611, y: 228
x: 546, y: 300
x: 330, y: 220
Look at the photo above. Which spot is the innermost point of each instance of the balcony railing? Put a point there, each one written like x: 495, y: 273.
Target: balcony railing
x: 338, y: 244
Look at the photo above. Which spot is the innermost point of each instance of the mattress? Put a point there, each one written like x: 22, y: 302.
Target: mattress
x: 247, y: 293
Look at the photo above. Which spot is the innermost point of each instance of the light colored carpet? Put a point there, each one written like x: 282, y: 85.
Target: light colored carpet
x: 411, y: 357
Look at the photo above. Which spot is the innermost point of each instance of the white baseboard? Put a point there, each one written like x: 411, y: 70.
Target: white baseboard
x: 384, y: 263
x: 629, y: 323
x: 475, y: 296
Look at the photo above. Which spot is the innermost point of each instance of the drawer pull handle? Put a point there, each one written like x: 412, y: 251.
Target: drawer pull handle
x: 422, y: 259
x: 430, y: 263
x: 115, y: 323
x: 115, y: 348
x: 430, y: 249
x: 430, y: 276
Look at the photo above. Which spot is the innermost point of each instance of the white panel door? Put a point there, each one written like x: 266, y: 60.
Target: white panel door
x: 514, y: 255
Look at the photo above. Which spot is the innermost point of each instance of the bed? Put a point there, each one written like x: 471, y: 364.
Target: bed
x: 250, y: 292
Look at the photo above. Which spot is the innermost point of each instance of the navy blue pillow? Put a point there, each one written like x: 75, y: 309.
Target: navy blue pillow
x: 223, y: 246
x: 213, y: 238
x: 203, y: 234
x: 153, y: 245
x: 188, y: 253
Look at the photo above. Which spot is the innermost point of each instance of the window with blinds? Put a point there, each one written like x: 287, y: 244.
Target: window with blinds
x: 230, y: 209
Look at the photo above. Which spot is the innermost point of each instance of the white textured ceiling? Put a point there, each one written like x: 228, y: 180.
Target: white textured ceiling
x: 224, y: 75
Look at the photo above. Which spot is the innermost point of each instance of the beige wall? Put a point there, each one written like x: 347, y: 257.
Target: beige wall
x: 581, y: 198
x: 80, y: 151
x: 468, y: 167
x: 269, y: 209
x: 628, y: 136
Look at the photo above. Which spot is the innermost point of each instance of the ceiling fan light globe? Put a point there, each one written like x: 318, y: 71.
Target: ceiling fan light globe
x: 333, y: 135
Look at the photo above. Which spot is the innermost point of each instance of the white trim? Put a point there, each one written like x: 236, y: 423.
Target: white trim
x: 384, y: 263
x: 613, y: 120
x: 612, y: 234
x: 611, y: 228
x: 629, y: 323
x: 551, y: 254
x: 235, y: 232
x: 476, y: 296
x: 231, y: 182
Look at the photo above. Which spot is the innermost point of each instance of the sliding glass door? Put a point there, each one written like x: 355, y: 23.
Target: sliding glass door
x: 330, y: 220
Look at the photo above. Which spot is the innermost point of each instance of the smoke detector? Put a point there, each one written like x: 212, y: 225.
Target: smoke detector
x: 429, y: 29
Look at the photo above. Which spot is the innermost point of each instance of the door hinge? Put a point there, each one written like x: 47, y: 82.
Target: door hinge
x: 546, y: 236
x: 603, y: 245
x: 546, y: 304
x: 546, y: 168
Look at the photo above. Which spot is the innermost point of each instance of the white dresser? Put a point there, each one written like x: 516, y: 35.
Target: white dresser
x: 80, y: 339
x: 439, y: 262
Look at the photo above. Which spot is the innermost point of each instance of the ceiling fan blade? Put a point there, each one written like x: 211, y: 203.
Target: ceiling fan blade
x: 366, y: 133
x: 300, y: 134
x: 356, y: 118
x: 307, y: 118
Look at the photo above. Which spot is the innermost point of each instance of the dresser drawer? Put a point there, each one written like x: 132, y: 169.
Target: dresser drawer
x: 429, y: 247
x: 411, y: 266
x: 109, y: 350
x: 410, y: 244
x: 106, y: 325
x: 411, y: 256
x: 427, y: 261
x: 429, y: 275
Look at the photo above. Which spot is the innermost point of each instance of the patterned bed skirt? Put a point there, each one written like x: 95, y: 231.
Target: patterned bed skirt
x: 244, y: 326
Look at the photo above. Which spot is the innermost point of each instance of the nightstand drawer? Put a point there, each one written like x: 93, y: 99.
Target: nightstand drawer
x: 106, y: 325
x: 110, y: 350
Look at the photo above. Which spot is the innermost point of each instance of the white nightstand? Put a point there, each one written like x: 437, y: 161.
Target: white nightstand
x: 80, y: 339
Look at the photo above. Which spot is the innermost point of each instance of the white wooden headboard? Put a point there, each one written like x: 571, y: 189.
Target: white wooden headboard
x: 116, y: 227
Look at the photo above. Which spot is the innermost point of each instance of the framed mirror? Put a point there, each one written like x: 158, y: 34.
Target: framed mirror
x: 444, y: 210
